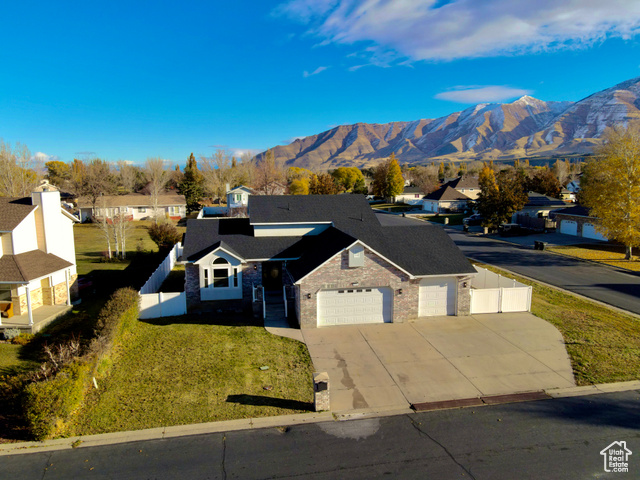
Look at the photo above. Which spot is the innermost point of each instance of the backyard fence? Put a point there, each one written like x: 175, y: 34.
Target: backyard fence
x: 154, y: 304
x: 493, y: 293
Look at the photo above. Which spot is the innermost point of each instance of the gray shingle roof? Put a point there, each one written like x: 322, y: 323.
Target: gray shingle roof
x: 540, y: 200
x: 446, y: 193
x: 466, y: 181
x: 13, y: 211
x: 419, y: 250
x: 28, y: 266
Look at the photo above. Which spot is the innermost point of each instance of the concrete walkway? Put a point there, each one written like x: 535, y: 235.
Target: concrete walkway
x: 275, y: 321
x: 437, y: 359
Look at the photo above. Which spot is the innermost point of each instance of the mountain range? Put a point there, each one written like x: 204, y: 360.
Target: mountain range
x: 527, y: 127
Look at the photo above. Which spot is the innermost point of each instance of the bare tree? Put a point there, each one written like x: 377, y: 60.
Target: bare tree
x: 562, y: 170
x: 157, y: 176
x: 269, y: 175
x: 217, y: 171
x: 426, y: 178
x: 127, y: 176
x: 18, y: 172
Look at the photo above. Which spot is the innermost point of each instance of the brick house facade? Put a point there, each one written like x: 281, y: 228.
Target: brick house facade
x: 313, y: 241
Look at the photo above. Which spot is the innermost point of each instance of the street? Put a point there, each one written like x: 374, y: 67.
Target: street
x: 548, y: 439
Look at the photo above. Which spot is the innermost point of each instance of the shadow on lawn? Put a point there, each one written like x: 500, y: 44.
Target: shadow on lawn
x: 260, y: 401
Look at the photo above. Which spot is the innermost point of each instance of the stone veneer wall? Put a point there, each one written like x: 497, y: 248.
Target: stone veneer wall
x: 20, y: 302
x: 251, y: 275
x: 464, y: 296
x: 192, y: 284
x: 376, y: 272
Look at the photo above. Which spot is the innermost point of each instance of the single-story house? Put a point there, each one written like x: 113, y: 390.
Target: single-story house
x: 466, y: 184
x: 134, y: 205
x: 577, y: 221
x: 567, y: 195
x: 539, y: 206
x: 238, y: 197
x: 444, y: 200
x: 331, y: 251
x: 37, y: 253
x: 410, y: 196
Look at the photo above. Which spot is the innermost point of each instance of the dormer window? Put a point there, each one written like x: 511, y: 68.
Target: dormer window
x: 356, y: 256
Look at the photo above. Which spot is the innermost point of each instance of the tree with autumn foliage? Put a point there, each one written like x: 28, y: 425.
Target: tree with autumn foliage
x: 500, y: 196
x: 388, y: 181
x: 322, y: 184
x: 610, y: 188
x: 545, y: 182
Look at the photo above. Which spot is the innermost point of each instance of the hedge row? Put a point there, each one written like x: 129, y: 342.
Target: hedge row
x: 49, y: 404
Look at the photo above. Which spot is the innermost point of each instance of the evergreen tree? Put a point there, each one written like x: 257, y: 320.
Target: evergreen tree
x: 191, y: 185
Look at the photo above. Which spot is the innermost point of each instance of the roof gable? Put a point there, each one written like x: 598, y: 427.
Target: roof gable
x: 13, y: 211
x: 447, y: 193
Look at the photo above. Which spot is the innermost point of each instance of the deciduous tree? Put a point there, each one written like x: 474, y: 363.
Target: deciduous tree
x: 545, y: 182
x: 18, y: 175
x: 269, y: 174
x: 610, y: 187
x: 500, y: 196
x: 157, y: 177
x: 347, y: 177
x: 322, y: 184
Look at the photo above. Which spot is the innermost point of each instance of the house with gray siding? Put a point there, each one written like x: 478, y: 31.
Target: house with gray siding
x: 340, y: 265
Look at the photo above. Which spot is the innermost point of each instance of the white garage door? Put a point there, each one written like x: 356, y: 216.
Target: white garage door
x: 437, y: 297
x: 568, y: 227
x: 589, y: 231
x: 354, y: 305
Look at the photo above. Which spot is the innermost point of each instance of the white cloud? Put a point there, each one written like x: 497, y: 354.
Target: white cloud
x: 43, y: 157
x: 435, y: 30
x: 481, y: 94
x: 318, y: 70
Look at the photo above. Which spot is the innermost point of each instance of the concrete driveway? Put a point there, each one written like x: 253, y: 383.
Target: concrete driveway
x: 437, y: 359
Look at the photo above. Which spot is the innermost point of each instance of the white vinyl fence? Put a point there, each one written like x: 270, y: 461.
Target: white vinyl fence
x: 154, y: 304
x: 493, y: 293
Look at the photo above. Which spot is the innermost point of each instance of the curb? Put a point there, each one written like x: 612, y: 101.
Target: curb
x: 161, y: 433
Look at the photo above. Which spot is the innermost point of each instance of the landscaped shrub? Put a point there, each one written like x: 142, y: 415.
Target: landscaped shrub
x: 49, y: 404
x: 22, y: 339
x: 10, y: 333
x: 165, y: 235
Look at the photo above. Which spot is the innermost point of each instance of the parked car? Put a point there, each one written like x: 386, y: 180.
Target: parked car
x: 475, y: 219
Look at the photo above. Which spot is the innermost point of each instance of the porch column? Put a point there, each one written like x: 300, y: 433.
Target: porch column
x: 66, y: 280
x: 29, y: 305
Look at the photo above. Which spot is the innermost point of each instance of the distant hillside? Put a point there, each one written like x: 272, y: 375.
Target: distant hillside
x: 526, y: 127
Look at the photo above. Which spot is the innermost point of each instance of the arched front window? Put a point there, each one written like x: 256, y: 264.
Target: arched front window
x: 221, y: 275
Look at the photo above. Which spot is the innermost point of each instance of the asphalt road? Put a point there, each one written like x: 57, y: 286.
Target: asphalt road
x: 548, y: 439
x: 606, y: 284
x: 603, y: 283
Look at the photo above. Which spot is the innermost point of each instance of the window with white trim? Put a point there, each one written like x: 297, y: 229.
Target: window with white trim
x: 220, y: 273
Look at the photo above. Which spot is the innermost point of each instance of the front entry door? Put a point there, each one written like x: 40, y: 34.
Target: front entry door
x: 272, y: 275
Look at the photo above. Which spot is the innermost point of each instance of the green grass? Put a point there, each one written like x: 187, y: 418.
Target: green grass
x: 602, y: 253
x: 175, y: 281
x: 454, y: 218
x: 177, y: 371
x: 12, y: 362
x: 603, y: 344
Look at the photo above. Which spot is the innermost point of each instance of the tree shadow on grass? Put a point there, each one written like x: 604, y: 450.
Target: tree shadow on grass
x: 261, y: 401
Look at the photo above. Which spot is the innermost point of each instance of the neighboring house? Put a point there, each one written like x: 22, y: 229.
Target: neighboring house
x: 574, y: 186
x: 134, y: 205
x: 444, y: 200
x: 539, y: 206
x: 467, y: 185
x: 239, y: 197
x: 410, y: 196
x: 331, y: 251
x: 577, y: 221
x: 37, y: 252
x: 567, y: 195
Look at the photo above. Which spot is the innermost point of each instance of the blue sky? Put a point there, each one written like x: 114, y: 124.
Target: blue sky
x: 131, y: 80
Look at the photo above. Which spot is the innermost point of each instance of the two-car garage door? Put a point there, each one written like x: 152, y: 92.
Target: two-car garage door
x: 354, y: 305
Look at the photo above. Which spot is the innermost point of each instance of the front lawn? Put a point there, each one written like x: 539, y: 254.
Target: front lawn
x: 12, y: 362
x: 394, y: 207
x: 183, y: 370
x: 603, y: 344
x: 602, y: 253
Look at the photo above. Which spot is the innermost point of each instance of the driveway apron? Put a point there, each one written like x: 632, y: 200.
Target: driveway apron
x: 438, y: 358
